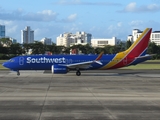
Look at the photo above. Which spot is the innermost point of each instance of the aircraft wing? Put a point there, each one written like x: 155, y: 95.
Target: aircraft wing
x: 84, y: 65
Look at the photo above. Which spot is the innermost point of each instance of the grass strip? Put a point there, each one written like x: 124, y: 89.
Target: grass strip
x: 143, y: 66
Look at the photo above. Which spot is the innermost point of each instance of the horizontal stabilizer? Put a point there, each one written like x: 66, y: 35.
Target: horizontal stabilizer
x: 145, y: 56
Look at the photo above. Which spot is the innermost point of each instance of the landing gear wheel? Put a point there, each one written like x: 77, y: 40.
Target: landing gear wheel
x: 18, y: 73
x: 78, y: 73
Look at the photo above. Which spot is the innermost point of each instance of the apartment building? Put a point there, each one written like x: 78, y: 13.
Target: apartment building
x: 27, y: 35
x: 69, y: 39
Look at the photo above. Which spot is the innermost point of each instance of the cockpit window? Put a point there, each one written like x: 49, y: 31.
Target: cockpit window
x: 11, y: 60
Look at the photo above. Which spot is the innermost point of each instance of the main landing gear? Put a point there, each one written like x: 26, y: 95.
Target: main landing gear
x: 78, y: 73
x: 18, y: 73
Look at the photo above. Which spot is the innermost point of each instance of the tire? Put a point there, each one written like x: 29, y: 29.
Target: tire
x: 78, y: 73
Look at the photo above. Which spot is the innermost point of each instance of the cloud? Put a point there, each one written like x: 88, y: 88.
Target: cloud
x: 119, y: 24
x: 41, y: 16
x: 132, y: 7
x: 20, y: 15
x: 139, y: 24
x: 79, y: 2
x: 70, y: 18
x: 114, y: 30
x: 136, y: 23
x: 12, y: 28
x: 45, y: 16
x: 117, y: 29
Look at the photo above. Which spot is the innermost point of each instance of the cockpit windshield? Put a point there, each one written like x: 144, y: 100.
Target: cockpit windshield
x: 11, y: 60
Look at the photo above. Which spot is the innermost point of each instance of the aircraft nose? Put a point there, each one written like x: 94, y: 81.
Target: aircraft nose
x: 5, y: 64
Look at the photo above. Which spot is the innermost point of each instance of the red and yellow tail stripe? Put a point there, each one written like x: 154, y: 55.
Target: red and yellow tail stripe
x: 126, y: 57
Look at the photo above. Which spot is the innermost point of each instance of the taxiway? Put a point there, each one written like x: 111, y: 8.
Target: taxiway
x: 107, y: 95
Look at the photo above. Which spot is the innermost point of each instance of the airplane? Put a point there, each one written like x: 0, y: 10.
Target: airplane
x: 62, y: 64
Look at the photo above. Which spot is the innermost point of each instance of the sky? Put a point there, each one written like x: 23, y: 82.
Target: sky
x: 101, y: 18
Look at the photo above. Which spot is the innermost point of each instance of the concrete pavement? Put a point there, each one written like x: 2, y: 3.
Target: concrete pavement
x: 134, y: 95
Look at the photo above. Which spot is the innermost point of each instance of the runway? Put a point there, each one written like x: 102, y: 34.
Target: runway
x: 95, y: 95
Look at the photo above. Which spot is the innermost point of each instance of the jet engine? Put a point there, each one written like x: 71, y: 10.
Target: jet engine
x: 58, y: 69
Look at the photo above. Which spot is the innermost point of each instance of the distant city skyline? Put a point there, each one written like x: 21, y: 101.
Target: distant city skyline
x: 102, y: 18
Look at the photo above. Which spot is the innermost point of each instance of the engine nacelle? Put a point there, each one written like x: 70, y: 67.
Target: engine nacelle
x: 58, y: 69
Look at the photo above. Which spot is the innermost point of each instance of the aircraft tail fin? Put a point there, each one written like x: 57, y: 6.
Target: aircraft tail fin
x: 139, y: 47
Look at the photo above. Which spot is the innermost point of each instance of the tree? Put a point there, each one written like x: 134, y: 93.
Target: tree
x: 152, y: 48
x: 26, y: 47
x: 85, y: 49
x: 114, y: 49
x: 15, y: 49
x: 37, y: 48
x: 56, y: 49
x: 128, y: 44
x: 66, y: 50
x: 121, y: 47
x: 89, y: 49
x: 5, y: 42
x: 3, y: 50
x: 98, y: 50
x: 158, y: 53
x: 59, y: 49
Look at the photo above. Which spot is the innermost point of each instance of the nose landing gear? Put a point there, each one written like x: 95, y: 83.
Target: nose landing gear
x: 18, y: 73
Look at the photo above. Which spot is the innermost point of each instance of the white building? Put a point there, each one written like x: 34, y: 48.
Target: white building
x: 135, y: 34
x: 69, y: 39
x: 27, y: 35
x: 103, y: 42
x: 46, y: 41
x: 64, y: 39
x: 155, y: 36
x: 2, y: 31
x: 81, y: 38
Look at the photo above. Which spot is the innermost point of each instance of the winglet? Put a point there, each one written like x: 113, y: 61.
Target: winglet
x: 99, y: 56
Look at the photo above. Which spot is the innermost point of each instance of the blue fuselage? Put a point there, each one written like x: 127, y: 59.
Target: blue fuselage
x: 44, y: 62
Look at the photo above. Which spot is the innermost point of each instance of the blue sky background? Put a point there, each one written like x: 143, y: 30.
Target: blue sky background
x: 101, y: 18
